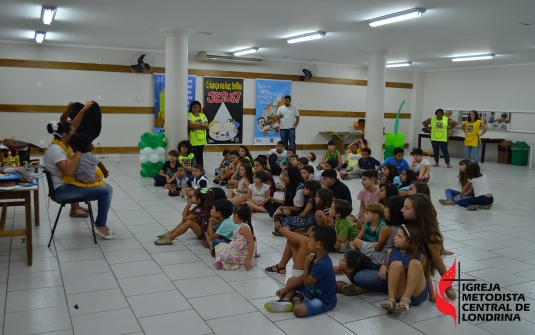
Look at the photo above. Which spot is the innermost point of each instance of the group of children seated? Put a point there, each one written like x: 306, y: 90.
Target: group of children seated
x: 384, y: 237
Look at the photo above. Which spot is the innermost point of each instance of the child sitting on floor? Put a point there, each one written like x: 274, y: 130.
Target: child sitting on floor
x: 239, y: 194
x: 224, y: 163
x: 181, y: 182
x: 220, y: 225
x: 199, y: 181
x: 258, y: 192
x: 374, y: 229
x: 345, y: 228
x: 352, y: 263
x: 314, y: 291
x: 398, y: 160
x: 167, y: 174
x: 352, y: 158
x: 421, y: 166
x: 241, y: 249
x: 409, y: 272
x: 330, y: 153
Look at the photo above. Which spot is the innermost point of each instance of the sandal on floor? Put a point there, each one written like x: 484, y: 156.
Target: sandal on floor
x: 278, y: 270
x: 85, y: 209
x: 389, y: 305
x: 79, y: 213
x: 174, y: 193
x: 401, y: 307
x: 164, y: 241
x: 164, y: 234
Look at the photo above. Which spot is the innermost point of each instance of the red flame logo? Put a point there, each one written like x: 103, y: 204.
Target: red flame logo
x: 443, y: 304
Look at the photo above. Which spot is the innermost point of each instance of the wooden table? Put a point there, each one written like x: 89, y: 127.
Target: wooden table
x: 484, y: 142
x: 339, y: 137
x: 20, y: 197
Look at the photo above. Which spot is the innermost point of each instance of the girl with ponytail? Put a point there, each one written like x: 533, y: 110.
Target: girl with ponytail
x: 240, y: 251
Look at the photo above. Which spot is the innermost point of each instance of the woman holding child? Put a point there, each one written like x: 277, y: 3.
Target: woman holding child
x: 62, y: 163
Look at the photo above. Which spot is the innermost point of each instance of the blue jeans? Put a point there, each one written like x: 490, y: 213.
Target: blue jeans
x: 369, y: 279
x: 314, y: 305
x: 104, y: 194
x: 451, y: 195
x: 481, y: 201
x: 219, y: 240
x: 288, y: 135
x: 440, y: 146
x: 468, y: 150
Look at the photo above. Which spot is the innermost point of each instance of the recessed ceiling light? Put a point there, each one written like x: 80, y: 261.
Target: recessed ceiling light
x: 469, y: 58
x: 398, y: 64
x: 245, y: 51
x: 47, y: 14
x: 396, y: 17
x: 40, y: 36
x: 306, y: 37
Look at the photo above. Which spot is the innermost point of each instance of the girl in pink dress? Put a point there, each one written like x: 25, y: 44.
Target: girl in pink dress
x: 240, y: 251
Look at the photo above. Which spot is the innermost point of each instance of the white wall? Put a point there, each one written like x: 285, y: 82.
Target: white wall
x: 58, y: 87
x: 498, y: 88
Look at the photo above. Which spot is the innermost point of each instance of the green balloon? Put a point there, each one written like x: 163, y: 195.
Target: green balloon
x: 159, y: 136
x: 153, y: 144
x: 398, y: 143
x: 161, y: 144
x: 390, y: 136
x: 388, y: 143
x: 143, y: 173
x: 142, y: 144
x: 400, y: 137
x: 154, y: 172
x: 158, y: 165
x: 147, y: 166
x: 146, y: 137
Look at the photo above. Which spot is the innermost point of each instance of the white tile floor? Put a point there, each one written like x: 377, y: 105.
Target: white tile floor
x: 131, y: 286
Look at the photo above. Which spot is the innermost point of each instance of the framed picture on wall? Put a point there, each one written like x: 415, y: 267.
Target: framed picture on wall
x: 496, y: 120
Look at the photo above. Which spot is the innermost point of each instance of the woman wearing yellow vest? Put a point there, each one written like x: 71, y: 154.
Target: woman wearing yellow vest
x: 472, y: 136
x: 439, y: 127
x: 197, y: 124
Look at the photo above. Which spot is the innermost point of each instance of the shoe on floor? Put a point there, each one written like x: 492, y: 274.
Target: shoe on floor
x: 278, y: 306
x: 446, y: 202
x: 106, y: 237
x: 486, y: 206
x: 472, y: 208
x: 164, y: 241
x: 78, y: 213
x: 345, y: 176
x: 353, y: 289
x: 216, y: 181
x: 344, y: 166
x: 223, y: 183
x: 163, y: 235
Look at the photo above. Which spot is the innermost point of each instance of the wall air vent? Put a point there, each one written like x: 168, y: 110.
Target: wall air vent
x: 205, y: 56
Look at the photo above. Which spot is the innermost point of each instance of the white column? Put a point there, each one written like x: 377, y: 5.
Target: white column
x: 375, y: 100
x: 176, y: 85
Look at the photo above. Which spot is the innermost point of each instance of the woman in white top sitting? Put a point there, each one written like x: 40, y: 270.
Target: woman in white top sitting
x: 482, y: 196
x: 61, y: 162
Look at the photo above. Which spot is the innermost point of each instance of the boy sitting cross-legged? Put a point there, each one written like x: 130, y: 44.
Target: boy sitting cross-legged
x: 314, y: 291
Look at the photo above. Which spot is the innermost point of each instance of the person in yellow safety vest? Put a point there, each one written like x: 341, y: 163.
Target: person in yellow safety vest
x: 472, y: 141
x: 197, y: 124
x: 439, y: 127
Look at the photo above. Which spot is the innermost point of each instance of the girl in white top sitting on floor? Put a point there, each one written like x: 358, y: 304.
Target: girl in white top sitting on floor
x: 239, y: 194
x: 258, y: 192
x: 482, y: 196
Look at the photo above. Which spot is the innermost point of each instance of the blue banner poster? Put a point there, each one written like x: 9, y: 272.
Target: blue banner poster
x: 159, y: 99
x: 269, y: 97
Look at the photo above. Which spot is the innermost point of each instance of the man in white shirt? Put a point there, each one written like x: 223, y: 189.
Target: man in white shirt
x: 288, y: 117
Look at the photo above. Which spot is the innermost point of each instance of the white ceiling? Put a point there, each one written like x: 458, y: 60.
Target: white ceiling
x: 448, y: 28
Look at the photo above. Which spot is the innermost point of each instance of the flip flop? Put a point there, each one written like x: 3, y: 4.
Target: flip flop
x: 278, y: 270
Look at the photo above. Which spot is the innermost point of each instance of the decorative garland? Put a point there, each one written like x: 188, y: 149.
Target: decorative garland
x: 68, y: 179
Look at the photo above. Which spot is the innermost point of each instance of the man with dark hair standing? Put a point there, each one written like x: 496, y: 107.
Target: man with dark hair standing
x: 288, y: 117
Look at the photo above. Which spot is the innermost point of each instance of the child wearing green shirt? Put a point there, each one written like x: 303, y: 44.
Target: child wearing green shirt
x: 346, y: 230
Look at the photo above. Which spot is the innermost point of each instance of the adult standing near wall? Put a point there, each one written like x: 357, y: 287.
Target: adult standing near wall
x: 288, y: 117
x: 197, y: 124
x: 439, y: 126
x: 472, y: 141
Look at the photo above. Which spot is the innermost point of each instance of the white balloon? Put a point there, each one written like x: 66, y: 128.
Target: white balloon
x: 141, y: 151
x: 147, y: 151
x: 143, y: 158
x: 159, y: 151
x: 162, y: 158
x: 154, y: 158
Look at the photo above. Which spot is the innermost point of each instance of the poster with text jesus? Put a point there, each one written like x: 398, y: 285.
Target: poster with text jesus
x: 223, y: 107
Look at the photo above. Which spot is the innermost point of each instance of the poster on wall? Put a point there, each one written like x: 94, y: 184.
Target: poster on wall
x: 159, y: 99
x: 269, y: 97
x: 223, y: 107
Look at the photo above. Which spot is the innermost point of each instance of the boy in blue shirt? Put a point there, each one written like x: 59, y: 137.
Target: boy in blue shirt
x: 397, y: 160
x: 366, y: 162
x: 220, y: 226
x: 314, y: 291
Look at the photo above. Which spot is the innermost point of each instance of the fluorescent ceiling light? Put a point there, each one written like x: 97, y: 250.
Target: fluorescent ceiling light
x: 399, y: 64
x: 245, y: 51
x: 48, y: 14
x: 468, y: 58
x: 40, y: 36
x: 396, y: 17
x: 306, y: 37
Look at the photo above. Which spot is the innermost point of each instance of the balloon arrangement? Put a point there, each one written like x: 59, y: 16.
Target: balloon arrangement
x: 151, y: 154
x: 394, y: 140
